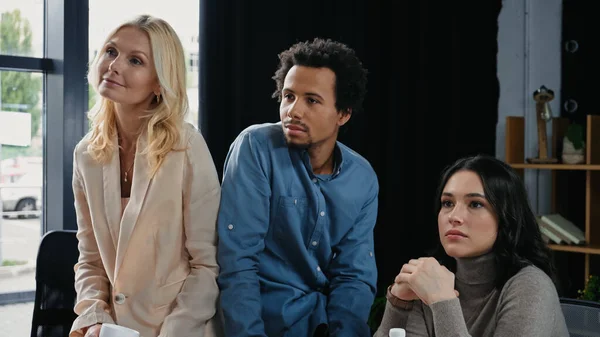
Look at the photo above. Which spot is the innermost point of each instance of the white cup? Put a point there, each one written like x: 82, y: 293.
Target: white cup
x: 112, y: 330
x: 395, y: 332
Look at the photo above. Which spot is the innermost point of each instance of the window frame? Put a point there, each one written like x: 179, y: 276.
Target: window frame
x: 64, y: 122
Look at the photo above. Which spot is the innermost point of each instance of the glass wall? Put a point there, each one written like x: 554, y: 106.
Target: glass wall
x: 22, y: 113
x: 21, y: 142
x: 22, y: 28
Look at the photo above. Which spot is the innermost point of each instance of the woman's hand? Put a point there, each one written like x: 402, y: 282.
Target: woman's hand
x: 93, y: 331
x: 401, y: 290
x: 427, y: 279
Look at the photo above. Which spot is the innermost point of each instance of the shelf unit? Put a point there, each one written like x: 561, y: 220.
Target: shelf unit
x: 515, y: 156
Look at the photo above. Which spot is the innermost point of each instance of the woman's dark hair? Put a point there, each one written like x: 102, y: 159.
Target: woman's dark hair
x: 519, y: 242
x: 350, y: 76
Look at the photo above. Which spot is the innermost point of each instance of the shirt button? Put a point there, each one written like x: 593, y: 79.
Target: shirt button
x: 230, y: 227
x: 322, y: 213
x: 119, y: 298
x: 315, y: 180
x: 318, y: 268
x: 314, y: 243
x: 370, y: 253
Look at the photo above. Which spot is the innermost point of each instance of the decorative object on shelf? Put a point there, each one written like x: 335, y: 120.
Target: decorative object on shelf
x: 542, y: 97
x: 566, y: 184
x: 573, y: 145
x: 591, y: 292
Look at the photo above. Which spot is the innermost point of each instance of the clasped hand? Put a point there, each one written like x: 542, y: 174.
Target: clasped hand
x: 424, y: 279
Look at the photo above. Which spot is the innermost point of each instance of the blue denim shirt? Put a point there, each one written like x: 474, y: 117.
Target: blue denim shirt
x: 295, y: 248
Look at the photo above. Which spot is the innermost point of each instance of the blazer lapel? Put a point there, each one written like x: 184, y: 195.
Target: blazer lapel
x: 139, y: 187
x: 112, y: 194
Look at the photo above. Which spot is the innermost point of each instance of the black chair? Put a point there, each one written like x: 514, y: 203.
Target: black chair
x: 55, y: 294
x: 582, y: 317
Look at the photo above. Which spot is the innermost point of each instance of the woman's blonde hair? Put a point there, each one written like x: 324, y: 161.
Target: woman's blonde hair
x: 165, y: 119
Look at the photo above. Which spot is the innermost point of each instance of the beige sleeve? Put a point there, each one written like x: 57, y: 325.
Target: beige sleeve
x: 91, y: 283
x: 197, y: 301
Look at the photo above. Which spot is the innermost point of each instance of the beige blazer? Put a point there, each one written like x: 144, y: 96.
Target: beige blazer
x: 153, y: 270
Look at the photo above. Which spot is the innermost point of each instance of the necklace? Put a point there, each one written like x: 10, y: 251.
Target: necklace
x: 130, y: 167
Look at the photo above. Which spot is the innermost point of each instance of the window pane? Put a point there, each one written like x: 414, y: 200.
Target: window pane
x: 22, y: 27
x: 182, y: 15
x: 21, y: 177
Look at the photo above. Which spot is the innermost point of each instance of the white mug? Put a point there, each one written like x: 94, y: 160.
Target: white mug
x: 395, y: 332
x: 112, y: 330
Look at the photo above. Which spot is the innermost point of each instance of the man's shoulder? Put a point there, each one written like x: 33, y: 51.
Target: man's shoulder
x: 265, y: 133
x: 356, y: 159
x: 260, y: 140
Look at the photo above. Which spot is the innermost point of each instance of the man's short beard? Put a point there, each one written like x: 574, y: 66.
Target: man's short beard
x: 303, y: 146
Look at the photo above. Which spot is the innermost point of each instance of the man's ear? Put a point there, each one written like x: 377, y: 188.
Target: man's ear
x: 344, y: 116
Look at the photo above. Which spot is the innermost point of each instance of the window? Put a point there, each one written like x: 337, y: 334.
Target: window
x: 22, y: 27
x: 183, y: 15
x: 43, y: 49
x: 22, y: 104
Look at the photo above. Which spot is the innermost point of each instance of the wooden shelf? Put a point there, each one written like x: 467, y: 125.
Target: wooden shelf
x: 581, y: 167
x: 585, y: 249
x: 574, y: 190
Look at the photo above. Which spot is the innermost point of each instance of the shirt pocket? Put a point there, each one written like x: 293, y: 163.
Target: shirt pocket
x: 291, y: 217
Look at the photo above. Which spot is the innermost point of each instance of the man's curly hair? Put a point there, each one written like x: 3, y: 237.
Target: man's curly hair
x: 350, y: 76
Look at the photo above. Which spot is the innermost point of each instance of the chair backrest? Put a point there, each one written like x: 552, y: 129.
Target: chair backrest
x: 582, y: 317
x: 55, y: 294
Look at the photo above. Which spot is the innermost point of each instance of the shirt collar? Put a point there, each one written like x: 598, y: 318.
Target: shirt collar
x: 338, y: 162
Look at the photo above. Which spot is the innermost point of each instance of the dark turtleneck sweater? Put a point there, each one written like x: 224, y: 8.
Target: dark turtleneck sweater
x: 526, y: 306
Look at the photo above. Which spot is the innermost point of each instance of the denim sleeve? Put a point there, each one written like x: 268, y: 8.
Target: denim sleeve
x: 354, y: 274
x: 242, y: 225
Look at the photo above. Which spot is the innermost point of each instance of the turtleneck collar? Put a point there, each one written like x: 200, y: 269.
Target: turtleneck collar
x: 477, y: 270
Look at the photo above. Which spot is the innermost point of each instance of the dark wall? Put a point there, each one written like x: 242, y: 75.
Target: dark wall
x: 433, y: 92
x: 579, y: 95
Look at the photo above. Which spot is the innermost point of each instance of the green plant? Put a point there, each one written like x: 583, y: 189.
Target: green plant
x: 575, y: 135
x: 10, y: 263
x: 377, y: 309
x: 591, y: 292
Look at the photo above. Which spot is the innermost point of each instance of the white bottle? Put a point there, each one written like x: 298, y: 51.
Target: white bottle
x: 397, y: 332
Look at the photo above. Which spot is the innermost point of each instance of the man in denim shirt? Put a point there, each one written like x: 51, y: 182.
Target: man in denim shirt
x: 298, y: 207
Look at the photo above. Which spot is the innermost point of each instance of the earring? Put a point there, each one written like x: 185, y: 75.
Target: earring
x: 157, y: 98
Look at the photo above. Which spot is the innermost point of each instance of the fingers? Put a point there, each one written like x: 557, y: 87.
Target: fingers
x: 93, y: 331
x: 402, y: 278
x: 397, y: 279
x: 422, y: 260
x: 414, y: 262
x: 406, y: 269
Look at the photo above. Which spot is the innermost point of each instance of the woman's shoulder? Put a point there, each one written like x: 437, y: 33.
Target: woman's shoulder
x: 82, y: 145
x: 530, y: 282
x: 192, y: 139
x: 531, y: 273
x: 195, y: 147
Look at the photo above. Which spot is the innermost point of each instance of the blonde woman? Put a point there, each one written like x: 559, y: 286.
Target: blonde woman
x: 146, y: 194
